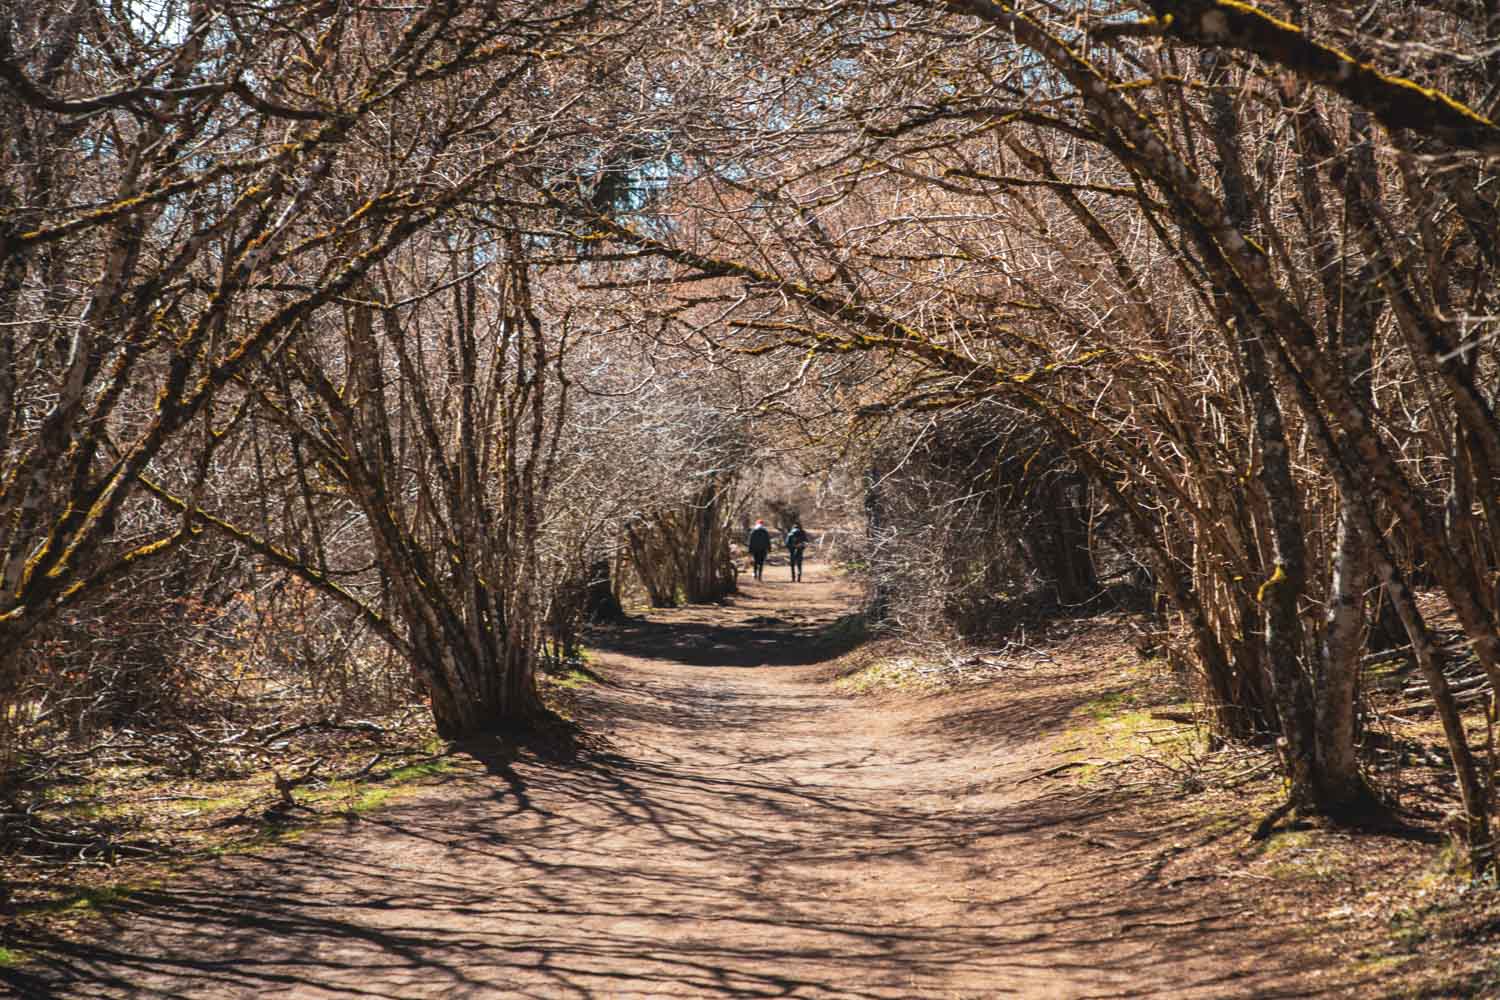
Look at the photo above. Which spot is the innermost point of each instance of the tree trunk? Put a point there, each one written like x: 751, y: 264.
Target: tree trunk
x: 600, y: 603
x: 1283, y: 588
x: 654, y: 566
x: 1338, y: 664
x: 711, y: 571
x: 878, y: 603
x: 1341, y: 460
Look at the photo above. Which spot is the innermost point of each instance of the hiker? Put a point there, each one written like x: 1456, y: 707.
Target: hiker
x: 760, y: 546
x: 796, y: 541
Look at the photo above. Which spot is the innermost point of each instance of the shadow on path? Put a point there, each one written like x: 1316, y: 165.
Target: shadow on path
x: 737, y: 835
x: 762, y: 627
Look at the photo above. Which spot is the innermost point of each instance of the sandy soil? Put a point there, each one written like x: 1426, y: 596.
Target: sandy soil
x: 736, y: 828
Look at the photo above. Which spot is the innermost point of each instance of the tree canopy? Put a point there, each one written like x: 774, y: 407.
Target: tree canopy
x: 437, y: 313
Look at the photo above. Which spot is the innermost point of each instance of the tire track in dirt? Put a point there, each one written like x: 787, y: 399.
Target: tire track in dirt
x: 741, y: 830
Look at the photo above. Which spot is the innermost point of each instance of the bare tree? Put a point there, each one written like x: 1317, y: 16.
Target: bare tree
x: 1053, y: 210
x: 200, y: 192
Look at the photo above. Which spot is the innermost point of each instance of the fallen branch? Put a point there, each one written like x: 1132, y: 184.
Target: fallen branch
x: 1185, y: 717
x: 1264, y: 827
x: 1095, y: 841
x: 285, y: 786
x: 1063, y: 767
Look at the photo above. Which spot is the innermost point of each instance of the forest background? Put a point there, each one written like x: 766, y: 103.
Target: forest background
x: 354, y: 357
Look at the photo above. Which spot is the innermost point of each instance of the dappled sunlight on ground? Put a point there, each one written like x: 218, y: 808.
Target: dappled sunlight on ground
x: 729, y: 828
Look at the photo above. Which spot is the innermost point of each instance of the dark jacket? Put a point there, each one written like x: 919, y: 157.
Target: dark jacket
x: 760, y: 540
x: 796, y: 538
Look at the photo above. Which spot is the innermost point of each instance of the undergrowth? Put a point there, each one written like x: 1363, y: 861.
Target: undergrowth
x: 83, y: 833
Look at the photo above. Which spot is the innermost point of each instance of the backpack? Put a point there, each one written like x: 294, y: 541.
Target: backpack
x: 796, y: 538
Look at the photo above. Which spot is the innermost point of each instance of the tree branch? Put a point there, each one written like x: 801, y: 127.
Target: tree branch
x: 1399, y: 103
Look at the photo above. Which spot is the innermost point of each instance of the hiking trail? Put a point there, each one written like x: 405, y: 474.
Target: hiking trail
x: 739, y: 828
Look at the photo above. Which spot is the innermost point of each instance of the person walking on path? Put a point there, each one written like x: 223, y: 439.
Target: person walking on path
x: 796, y: 541
x: 760, y: 546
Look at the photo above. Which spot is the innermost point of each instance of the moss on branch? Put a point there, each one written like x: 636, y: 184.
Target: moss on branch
x: 1399, y: 103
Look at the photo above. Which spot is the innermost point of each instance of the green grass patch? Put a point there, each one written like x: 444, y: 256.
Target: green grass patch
x: 1086, y: 773
x: 573, y: 679
x: 421, y: 769
x: 1112, y: 706
x: 1119, y: 724
x: 883, y: 675
x: 98, y: 899
x: 570, y: 673
x: 87, y: 809
x: 86, y: 800
x: 194, y: 805
x: 371, y: 799
x: 1298, y: 855
x: 238, y: 800
x: 1289, y: 840
x: 10, y: 958
x: 362, y: 796
x: 81, y: 901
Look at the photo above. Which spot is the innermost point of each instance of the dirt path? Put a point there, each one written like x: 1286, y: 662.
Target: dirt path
x: 744, y: 832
